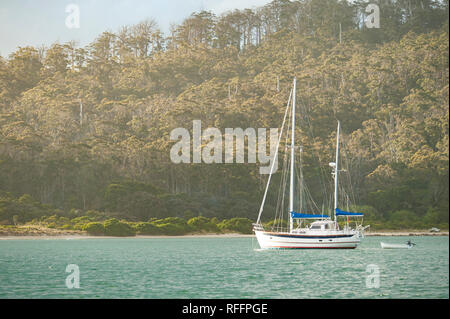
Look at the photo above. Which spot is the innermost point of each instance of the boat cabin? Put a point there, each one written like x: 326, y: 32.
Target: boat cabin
x: 322, y: 225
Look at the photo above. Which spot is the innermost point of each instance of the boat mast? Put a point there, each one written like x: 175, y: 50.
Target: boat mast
x: 336, y: 171
x: 301, y: 186
x: 258, y: 221
x: 291, y: 189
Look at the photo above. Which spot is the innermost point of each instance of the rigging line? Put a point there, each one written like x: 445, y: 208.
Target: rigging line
x: 277, y: 206
x: 273, y: 164
x: 285, y: 173
x: 314, y: 204
x: 322, y: 172
x: 301, y: 180
x: 300, y: 192
x: 347, y: 161
x: 279, y: 194
x: 283, y: 184
x: 330, y: 204
x: 346, y: 178
x: 308, y: 195
x: 282, y: 189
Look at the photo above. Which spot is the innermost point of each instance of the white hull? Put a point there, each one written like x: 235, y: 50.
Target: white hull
x: 332, y: 240
x: 395, y: 246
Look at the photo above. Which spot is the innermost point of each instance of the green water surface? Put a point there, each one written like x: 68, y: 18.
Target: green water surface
x: 221, y: 268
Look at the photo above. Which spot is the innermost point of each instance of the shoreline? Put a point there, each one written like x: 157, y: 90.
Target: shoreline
x: 228, y: 235
x: 405, y: 233
x: 82, y: 236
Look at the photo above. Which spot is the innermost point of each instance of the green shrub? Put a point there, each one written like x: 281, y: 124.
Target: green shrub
x: 172, y: 229
x: 171, y: 220
x: 113, y: 227
x: 78, y: 226
x: 173, y: 226
x: 435, y: 217
x: 283, y: 223
x: 51, y: 219
x: 63, y: 220
x: 240, y: 225
x: 188, y: 214
x: 81, y: 220
x: 94, y: 228
x: 73, y: 213
x: 147, y: 229
x: 93, y: 214
x: 404, y: 219
x: 202, y: 223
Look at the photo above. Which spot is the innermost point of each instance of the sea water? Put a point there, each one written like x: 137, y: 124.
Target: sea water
x: 204, y: 267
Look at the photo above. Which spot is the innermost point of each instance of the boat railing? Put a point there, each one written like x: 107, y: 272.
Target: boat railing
x: 258, y: 227
x: 278, y: 229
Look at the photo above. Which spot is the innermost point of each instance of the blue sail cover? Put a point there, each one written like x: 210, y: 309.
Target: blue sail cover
x: 295, y: 215
x: 339, y: 212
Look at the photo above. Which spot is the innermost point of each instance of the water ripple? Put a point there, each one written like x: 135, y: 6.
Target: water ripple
x: 220, y: 268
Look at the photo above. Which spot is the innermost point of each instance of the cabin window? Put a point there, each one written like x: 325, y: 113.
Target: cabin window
x: 315, y: 227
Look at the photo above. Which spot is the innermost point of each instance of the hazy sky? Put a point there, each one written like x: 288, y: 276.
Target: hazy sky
x: 43, y: 22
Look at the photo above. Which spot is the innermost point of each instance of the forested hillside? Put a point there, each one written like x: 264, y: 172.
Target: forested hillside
x: 87, y: 128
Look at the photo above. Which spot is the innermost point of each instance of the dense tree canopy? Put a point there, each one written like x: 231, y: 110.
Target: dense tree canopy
x: 88, y: 128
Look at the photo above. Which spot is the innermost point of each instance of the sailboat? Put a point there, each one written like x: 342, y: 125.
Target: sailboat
x: 308, y: 230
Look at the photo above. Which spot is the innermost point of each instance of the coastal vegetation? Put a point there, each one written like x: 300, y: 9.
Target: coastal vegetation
x: 98, y: 224
x: 84, y: 131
